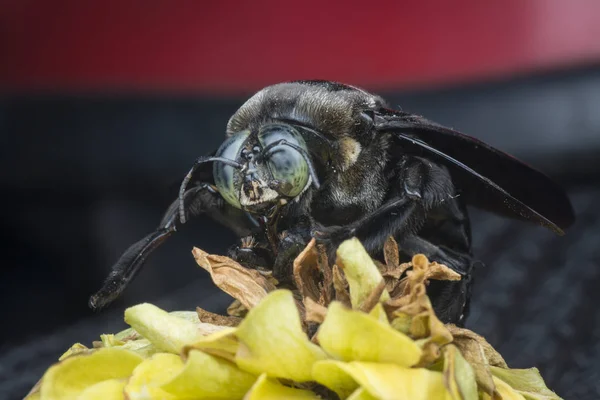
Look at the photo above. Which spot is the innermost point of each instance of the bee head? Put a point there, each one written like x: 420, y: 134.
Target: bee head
x: 255, y: 170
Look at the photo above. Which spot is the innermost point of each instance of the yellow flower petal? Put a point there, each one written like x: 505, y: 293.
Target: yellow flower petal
x: 127, y: 335
x: 131, y: 334
x: 528, y: 382
x: 361, y: 394
x: 351, y: 335
x: 222, y: 344
x: 111, y: 389
x: 402, y: 323
x: 33, y: 396
x: 379, y: 313
x: 331, y: 376
x: 389, y: 381
x: 110, y: 341
x: 506, y: 391
x: 77, y: 348
x: 207, y: 377
x: 166, y: 332
x: 68, y: 378
x: 269, y: 389
x: 272, y: 340
x: 150, y: 375
x: 362, y: 274
x: 191, y: 316
x: 141, y: 346
x: 459, y: 377
x: 475, y: 350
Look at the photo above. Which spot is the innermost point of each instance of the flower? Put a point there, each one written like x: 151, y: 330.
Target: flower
x: 356, y: 330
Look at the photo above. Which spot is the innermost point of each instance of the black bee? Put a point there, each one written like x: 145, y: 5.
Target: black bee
x: 321, y: 159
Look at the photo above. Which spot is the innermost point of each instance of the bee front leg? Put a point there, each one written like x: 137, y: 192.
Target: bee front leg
x: 252, y: 254
x: 257, y: 255
x: 198, y: 200
x: 291, y: 244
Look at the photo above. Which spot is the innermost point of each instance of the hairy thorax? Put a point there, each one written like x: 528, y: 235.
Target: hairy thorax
x: 356, y: 188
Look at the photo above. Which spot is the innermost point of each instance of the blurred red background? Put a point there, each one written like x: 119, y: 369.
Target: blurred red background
x: 228, y: 47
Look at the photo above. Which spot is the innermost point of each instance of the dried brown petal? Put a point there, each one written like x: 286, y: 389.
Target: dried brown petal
x: 306, y: 272
x: 380, y: 266
x: 471, y: 347
x: 315, y: 312
x: 299, y: 300
x: 431, y: 353
x: 340, y: 285
x: 409, y: 299
x: 327, y: 291
x: 390, y: 281
x: 392, y: 270
x: 243, y: 284
x: 422, y: 271
x: 405, y: 266
x: 217, y: 319
x: 413, y: 313
x: 491, y: 355
x: 391, y: 254
x: 397, y: 287
x: 391, y: 277
x: 268, y: 276
x: 236, y: 309
x: 441, y: 272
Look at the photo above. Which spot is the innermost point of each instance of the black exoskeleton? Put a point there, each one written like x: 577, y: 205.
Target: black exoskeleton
x: 321, y: 159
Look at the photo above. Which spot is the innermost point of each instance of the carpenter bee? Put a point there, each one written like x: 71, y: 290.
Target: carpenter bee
x: 322, y: 159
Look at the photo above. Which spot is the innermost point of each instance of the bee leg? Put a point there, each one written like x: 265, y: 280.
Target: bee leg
x: 197, y: 200
x: 401, y: 214
x: 458, y: 261
x: 290, y: 246
x: 419, y: 187
x: 251, y: 254
x: 450, y: 299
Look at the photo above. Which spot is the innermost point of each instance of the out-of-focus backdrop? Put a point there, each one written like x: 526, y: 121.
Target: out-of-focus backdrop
x: 105, y: 105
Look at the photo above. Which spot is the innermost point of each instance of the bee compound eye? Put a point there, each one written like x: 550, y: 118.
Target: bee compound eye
x: 227, y: 178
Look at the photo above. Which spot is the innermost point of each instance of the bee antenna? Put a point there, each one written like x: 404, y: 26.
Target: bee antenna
x: 188, y: 177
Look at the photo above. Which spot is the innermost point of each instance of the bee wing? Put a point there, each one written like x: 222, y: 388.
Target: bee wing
x: 487, y: 177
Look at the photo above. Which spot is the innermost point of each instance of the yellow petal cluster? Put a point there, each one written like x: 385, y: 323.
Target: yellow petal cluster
x: 356, y: 352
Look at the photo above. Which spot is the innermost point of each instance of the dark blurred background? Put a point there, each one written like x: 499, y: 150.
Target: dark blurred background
x: 104, y: 106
